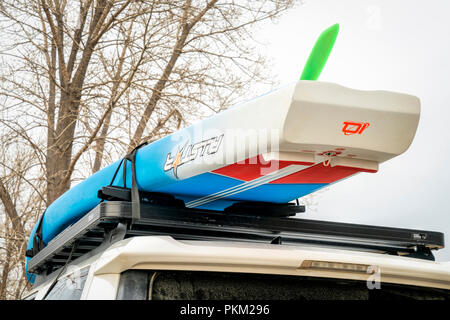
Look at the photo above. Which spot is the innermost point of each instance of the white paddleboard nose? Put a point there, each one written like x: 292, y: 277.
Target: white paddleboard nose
x: 363, y: 128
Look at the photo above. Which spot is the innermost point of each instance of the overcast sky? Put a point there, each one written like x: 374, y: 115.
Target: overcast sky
x: 399, y: 46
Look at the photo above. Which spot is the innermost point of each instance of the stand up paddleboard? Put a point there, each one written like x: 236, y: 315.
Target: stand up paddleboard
x: 274, y: 149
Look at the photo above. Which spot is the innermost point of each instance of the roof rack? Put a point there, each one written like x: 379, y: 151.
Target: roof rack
x: 111, y: 221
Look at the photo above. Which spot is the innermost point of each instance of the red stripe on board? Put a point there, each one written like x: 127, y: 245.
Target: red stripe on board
x: 254, y: 168
x: 321, y: 174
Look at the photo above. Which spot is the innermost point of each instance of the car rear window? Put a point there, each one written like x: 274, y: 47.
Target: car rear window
x: 183, y: 285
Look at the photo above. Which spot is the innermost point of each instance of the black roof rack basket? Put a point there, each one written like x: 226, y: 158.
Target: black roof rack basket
x: 110, y: 221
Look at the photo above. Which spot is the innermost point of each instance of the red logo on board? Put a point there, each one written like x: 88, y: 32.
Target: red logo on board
x: 354, y: 127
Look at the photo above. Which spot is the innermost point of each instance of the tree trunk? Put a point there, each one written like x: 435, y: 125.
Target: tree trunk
x: 10, y: 208
x: 100, y: 145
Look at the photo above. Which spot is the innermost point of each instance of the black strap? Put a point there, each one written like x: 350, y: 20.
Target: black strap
x: 115, y: 173
x: 63, y: 268
x: 135, y: 198
x: 114, y: 177
x: 38, y: 243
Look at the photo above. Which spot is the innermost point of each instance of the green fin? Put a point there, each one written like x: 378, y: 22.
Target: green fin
x: 319, y: 54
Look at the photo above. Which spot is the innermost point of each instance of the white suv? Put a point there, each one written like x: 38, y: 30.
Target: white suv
x: 161, y: 268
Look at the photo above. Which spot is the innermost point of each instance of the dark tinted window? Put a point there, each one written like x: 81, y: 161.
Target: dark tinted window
x: 133, y: 285
x: 185, y: 285
x: 69, y: 287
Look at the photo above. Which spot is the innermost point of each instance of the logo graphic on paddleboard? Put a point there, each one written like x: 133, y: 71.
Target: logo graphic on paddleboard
x: 190, y: 152
x: 354, y: 127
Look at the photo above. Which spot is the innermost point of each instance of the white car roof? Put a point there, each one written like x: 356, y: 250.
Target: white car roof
x: 166, y: 253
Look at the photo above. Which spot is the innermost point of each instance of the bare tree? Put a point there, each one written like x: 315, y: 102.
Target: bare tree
x: 82, y: 82
x: 21, y: 193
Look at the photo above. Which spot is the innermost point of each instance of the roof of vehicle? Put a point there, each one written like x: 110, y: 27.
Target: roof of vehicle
x: 166, y: 253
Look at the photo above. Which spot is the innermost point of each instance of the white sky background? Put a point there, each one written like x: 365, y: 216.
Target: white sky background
x: 399, y: 46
